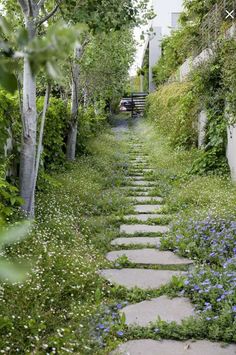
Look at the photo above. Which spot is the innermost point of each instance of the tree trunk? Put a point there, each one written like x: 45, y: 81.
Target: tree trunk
x: 73, y: 125
x: 40, y: 145
x: 28, y: 148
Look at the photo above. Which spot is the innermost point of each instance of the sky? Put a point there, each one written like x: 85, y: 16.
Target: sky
x: 163, y: 9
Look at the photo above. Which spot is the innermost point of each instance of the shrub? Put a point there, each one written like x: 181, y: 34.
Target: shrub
x: 174, y: 108
x: 55, y: 132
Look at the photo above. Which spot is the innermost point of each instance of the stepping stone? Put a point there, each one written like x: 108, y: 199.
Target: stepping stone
x: 168, y: 310
x: 143, y: 183
x: 140, y: 193
x: 138, y: 159
x: 149, y: 257
x: 134, y: 178
x: 137, y: 241
x: 173, y: 347
x: 148, y: 208
x: 143, y: 279
x: 142, y: 228
x: 144, y: 217
x: 147, y: 199
x: 140, y: 188
x: 135, y: 173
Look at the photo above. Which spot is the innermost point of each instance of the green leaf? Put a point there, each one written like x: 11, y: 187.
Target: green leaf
x: 11, y: 272
x: 8, y: 80
x: 15, y: 234
x: 4, y: 25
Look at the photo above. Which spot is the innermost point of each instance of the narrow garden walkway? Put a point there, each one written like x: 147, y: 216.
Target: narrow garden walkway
x: 152, y: 268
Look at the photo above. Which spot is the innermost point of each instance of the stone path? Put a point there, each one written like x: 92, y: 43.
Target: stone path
x: 171, y: 347
x: 142, y: 228
x: 141, y: 278
x: 147, y: 238
x: 143, y: 217
x: 169, y: 310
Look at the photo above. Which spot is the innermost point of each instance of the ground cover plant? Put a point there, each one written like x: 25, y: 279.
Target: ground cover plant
x: 51, y: 311
x: 203, y: 229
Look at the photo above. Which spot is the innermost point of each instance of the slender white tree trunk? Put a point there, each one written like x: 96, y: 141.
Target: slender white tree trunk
x: 73, y: 125
x: 28, y: 148
x: 40, y: 148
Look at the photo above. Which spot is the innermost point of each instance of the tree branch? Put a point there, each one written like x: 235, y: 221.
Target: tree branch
x: 40, y: 3
x: 48, y: 16
x: 30, y: 9
x: 23, y: 5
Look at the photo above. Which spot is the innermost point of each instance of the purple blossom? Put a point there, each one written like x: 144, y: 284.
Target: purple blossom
x: 120, y: 333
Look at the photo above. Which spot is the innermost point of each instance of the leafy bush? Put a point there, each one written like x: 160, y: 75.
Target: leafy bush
x: 174, y: 108
x: 10, y: 124
x: 9, y: 197
x: 209, y: 87
x: 90, y: 123
x: 55, y: 132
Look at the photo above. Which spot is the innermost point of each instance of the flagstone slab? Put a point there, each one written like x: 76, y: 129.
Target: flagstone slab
x: 167, y: 309
x: 144, y: 217
x: 143, y: 279
x: 134, y: 178
x: 137, y: 241
x: 143, y: 183
x: 140, y: 188
x: 142, y: 228
x: 147, y: 199
x: 149, y: 257
x: 140, y: 193
x: 173, y: 347
x: 148, y: 208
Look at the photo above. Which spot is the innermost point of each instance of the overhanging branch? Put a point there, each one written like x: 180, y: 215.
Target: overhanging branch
x: 48, y: 16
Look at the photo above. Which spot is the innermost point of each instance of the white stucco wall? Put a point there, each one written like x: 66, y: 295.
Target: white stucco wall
x: 202, y: 121
x: 231, y: 150
x: 154, y: 54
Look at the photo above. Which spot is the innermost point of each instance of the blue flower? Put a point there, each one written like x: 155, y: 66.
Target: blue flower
x: 234, y: 309
x: 120, y: 333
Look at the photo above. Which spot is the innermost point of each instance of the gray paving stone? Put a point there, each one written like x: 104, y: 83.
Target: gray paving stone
x: 142, y: 183
x: 140, y: 199
x: 141, y: 278
x: 134, y: 178
x: 144, y: 217
x: 140, y: 188
x: 173, y: 347
x: 168, y: 310
x: 149, y: 257
x: 142, y: 228
x: 137, y: 241
x: 140, y: 193
x: 139, y: 160
x: 148, y: 208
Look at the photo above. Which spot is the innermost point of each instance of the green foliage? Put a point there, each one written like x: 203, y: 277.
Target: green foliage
x: 9, y: 197
x: 209, y: 88
x: 184, y: 42
x: 58, y: 303
x: 105, y: 65
x: 9, y: 271
x: 174, y: 108
x: 9, y: 124
x: 91, y: 121
x: 175, y: 49
x: 228, y: 59
x: 55, y: 132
